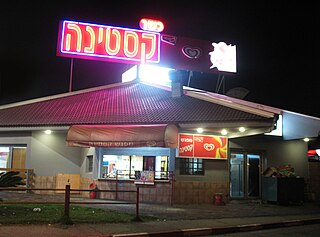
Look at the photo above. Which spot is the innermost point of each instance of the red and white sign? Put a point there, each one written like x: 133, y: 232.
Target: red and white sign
x: 102, y: 42
x: 202, y: 146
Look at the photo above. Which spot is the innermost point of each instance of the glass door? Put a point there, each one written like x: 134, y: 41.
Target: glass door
x: 245, y: 175
x: 237, y: 175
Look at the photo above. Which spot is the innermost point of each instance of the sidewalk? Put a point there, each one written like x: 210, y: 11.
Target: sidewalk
x: 179, y: 220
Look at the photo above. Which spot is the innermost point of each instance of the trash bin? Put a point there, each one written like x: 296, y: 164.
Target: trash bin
x: 93, y: 193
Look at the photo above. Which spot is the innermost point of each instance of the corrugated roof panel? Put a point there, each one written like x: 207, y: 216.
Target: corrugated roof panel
x: 135, y: 103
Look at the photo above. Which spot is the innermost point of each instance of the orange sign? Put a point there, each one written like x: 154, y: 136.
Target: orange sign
x: 202, y: 146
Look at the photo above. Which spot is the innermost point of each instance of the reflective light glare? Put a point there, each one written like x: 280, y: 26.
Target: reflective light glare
x: 200, y: 130
x: 306, y: 139
x: 242, y: 129
x: 48, y: 132
x: 224, y: 132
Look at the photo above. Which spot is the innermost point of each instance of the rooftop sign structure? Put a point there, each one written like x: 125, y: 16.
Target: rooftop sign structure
x: 147, y: 46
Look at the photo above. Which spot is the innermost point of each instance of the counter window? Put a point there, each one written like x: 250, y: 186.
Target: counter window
x: 124, y: 167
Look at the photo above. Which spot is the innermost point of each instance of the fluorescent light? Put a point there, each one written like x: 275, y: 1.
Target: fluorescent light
x: 148, y: 73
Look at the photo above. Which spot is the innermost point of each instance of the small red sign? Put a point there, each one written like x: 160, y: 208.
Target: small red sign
x: 185, y: 145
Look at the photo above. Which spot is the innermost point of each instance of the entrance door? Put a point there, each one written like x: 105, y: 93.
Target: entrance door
x: 18, y: 158
x: 245, y: 175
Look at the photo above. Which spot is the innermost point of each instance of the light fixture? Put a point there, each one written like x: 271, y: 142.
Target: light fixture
x: 306, y: 139
x: 48, y: 132
x: 224, y: 132
x: 242, y: 129
x: 200, y: 130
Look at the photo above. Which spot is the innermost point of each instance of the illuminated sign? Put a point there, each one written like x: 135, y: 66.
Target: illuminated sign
x: 117, y: 44
x: 102, y: 42
x: 202, y: 146
x: 151, y: 25
x: 197, y: 55
x: 223, y: 57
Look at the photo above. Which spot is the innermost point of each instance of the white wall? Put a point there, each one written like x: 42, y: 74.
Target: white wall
x: 50, y: 155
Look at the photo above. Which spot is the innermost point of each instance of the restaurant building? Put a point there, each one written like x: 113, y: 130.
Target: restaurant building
x: 109, y: 134
x: 180, y: 144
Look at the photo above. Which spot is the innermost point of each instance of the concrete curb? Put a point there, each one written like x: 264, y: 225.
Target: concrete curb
x: 222, y: 230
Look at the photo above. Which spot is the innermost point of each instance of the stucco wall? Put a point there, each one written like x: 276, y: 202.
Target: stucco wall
x: 84, y: 162
x: 49, y: 155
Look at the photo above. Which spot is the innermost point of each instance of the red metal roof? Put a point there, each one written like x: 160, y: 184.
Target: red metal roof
x: 130, y: 103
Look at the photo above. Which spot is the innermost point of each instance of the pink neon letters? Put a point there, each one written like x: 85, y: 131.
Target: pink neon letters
x: 84, y: 40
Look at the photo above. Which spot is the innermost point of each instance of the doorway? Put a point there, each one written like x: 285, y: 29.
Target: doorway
x: 245, y: 170
x: 149, y: 163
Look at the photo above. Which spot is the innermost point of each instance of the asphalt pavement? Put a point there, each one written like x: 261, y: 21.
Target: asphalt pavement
x: 173, y: 220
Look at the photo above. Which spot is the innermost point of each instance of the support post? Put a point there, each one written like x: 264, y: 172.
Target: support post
x: 137, y: 218
x: 71, y: 75
x: 117, y: 184
x: 67, y: 201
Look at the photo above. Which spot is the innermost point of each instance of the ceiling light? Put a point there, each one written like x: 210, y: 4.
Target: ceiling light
x: 306, y: 139
x: 200, y: 130
x: 48, y: 132
x: 224, y: 132
x: 242, y: 129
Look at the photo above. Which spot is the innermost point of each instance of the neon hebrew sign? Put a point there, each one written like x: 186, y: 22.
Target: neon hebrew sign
x: 102, y: 42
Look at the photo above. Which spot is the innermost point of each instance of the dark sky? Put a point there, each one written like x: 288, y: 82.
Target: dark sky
x: 277, y: 46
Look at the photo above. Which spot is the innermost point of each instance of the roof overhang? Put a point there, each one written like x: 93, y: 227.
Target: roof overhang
x: 155, y: 135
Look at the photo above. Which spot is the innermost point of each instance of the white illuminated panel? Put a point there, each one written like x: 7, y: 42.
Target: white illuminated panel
x: 223, y: 57
x: 278, y: 130
x: 148, y: 73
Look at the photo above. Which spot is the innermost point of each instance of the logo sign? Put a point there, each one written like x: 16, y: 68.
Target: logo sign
x: 107, y: 43
x: 151, y: 25
x: 202, y: 146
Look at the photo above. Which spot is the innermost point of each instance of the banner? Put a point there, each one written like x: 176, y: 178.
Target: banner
x: 144, y: 177
x: 202, y: 146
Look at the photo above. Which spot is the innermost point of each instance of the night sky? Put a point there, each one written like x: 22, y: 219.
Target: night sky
x: 277, y: 46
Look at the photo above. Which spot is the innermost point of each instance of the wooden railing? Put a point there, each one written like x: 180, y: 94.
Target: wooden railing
x: 67, y: 200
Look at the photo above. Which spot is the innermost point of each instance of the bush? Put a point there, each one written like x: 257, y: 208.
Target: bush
x: 10, y: 179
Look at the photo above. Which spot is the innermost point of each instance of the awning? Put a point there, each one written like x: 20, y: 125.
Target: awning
x: 155, y: 135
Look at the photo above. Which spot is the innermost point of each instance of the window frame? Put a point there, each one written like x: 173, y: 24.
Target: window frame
x: 191, y: 166
x: 89, y: 162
